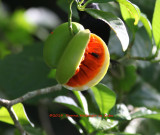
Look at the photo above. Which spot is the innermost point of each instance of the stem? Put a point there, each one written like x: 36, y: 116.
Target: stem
x: 128, y: 54
x: 81, y: 2
x: 9, y: 103
x: 149, y: 58
x: 155, y: 61
x: 35, y: 93
x: 87, y: 2
x: 70, y: 18
x: 130, y: 45
x: 16, y: 122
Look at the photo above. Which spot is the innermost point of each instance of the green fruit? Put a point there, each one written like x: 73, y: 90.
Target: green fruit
x: 57, y: 42
x: 81, y: 60
x: 72, y: 56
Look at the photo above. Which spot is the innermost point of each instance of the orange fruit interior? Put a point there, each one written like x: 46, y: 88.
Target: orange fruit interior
x: 91, y: 63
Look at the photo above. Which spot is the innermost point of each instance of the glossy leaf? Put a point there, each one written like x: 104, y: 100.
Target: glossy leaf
x: 147, y: 25
x: 114, y: 22
x: 31, y: 131
x: 120, y: 112
x: 129, y: 18
x: 92, y: 104
x: 98, y: 123
x: 20, y: 114
x: 145, y: 113
x: 156, y: 22
x: 99, y: 1
x: 130, y: 10
x: 145, y: 95
x: 105, y: 97
x: 71, y: 104
x: 82, y: 101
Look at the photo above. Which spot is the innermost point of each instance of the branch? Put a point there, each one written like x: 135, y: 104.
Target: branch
x: 4, y: 102
x: 16, y: 122
x: 9, y: 103
x: 35, y: 93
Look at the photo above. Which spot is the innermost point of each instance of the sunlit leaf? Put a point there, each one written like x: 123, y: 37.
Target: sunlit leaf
x: 19, y: 112
x: 156, y: 22
x: 129, y: 10
x: 120, y: 112
x: 99, y: 123
x: 92, y: 104
x: 18, y: 19
x: 99, y: 1
x: 31, y: 131
x: 71, y: 104
x: 146, y: 24
x: 4, y: 51
x: 82, y: 101
x: 114, y: 22
x: 105, y: 97
x: 145, y: 113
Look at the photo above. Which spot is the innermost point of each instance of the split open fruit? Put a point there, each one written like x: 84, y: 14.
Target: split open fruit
x: 83, y: 62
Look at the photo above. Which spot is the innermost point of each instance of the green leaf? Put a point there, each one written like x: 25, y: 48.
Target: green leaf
x: 142, y: 46
x: 114, y: 22
x: 145, y: 113
x: 71, y: 104
x: 146, y: 24
x: 143, y: 126
x: 99, y: 1
x: 92, y: 104
x: 144, y: 94
x: 19, y: 112
x: 120, y: 112
x: 4, y: 51
x: 31, y: 131
x: 105, y: 97
x: 129, y: 17
x: 129, y: 10
x: 24, y: 72
x: 151, y: 71
x: 102, y: 124
x: 82, y: 101
x: 64, y: 5
x: 156, y: 22
x: 5, y: 117
x: 125, y: 78
x: 123, y: 133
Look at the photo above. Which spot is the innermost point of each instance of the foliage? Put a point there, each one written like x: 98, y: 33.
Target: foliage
x: 130, y: 91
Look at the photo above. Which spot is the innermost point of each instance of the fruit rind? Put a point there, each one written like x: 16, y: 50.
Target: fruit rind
x: 99, y: 76
x: 57, y: 42
x: 72, y: 56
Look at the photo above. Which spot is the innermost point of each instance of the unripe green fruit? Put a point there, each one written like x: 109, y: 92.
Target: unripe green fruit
x: 72, y: 56
x: 57, y: 42
x: 81, y: 60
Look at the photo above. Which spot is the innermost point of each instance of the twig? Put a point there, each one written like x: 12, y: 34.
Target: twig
x: 16, y: 122
x: 35, y: 93
x: 128, y: 51
x: 70, y: 17
x: 4, y: 102
x: 149, y: 58
x: 9, y: 103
